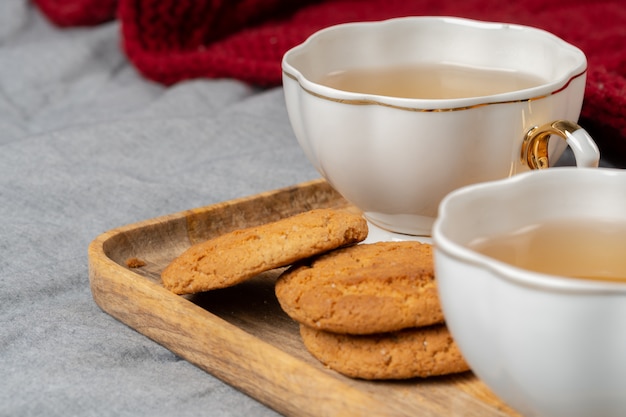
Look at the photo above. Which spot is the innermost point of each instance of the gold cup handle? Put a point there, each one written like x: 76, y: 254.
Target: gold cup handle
x: 535, y: 145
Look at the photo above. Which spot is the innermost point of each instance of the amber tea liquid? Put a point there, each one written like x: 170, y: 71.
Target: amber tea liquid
x: 435, y: 81
x: 572, y: 248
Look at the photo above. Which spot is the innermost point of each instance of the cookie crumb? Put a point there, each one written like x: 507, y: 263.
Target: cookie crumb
x: 135, y: 263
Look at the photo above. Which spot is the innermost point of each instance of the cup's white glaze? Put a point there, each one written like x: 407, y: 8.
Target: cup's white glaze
x: 548, y: 346
x: 396, y: 158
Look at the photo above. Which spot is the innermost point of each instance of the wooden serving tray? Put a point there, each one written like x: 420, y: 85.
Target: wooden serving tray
x: 240, y: 334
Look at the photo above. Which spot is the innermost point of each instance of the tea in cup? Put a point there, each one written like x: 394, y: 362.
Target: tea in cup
x: 396, y: 114
x: 531, y: 276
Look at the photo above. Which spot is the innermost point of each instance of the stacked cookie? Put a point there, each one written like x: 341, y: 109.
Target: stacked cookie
x: 371, y: 311
x: 368, y: 311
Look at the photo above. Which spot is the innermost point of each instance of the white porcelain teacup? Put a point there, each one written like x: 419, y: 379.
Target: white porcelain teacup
x: 546, y: 341
x: 396, y: 157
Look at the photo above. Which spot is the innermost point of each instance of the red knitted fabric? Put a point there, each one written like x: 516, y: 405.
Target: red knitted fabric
x: 67, y: 13
x: 173, y: 40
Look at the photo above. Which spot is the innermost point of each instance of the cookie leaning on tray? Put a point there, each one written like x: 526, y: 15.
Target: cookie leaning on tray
x: 236, y: 256
x: 367, y: 311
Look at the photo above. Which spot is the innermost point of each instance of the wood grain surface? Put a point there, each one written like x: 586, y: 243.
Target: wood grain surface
x: 240, y: 334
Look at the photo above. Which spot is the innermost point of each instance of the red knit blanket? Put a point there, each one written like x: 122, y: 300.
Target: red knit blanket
x: 173, y: 40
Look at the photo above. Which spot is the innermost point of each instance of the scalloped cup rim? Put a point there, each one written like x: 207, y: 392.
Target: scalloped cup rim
x: 508, y: 272
x: 330, y: 93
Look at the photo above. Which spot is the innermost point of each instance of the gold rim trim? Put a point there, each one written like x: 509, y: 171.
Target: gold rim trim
x: 473, y: 106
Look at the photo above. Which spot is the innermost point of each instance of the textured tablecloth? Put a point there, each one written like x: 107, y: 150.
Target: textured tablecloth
x: 86, y: 145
